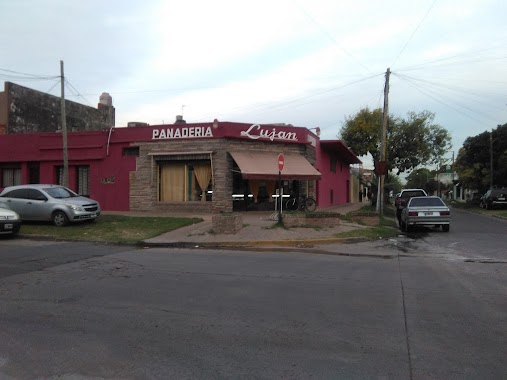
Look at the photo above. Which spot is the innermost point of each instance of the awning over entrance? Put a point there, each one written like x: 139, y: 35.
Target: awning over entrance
x: 257, y: 165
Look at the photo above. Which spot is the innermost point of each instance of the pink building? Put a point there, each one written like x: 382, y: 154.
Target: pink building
x: 206, y: 167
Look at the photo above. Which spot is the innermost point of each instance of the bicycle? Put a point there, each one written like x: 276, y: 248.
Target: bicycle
x: 302, y: 203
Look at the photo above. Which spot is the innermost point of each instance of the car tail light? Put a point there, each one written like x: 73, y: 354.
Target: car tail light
x: 445, y: 213
x: 412, y: 213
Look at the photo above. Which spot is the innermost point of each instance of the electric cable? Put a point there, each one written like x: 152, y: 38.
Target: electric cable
x: 414, y: 32
x: 326, y: 32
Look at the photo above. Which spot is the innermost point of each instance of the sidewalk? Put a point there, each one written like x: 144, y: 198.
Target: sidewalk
x: 259, y: 229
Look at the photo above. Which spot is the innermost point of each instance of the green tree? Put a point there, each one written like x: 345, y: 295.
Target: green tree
x: 473, y: 163
x: 411, y: 142
x: 422, y: 178
x: 393, y: 183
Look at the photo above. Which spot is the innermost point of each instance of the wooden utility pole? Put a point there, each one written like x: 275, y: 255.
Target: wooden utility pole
x: 491, y: 158
x: 385, y: 119
x: 64, y: 130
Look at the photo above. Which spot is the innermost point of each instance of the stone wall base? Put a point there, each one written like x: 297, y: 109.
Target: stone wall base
x: 367, y: 218
x: 311, y: 220
x: 227, y: 223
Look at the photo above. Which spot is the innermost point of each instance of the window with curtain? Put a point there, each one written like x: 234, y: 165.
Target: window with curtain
x: 185, y: 181
x: 11, y: 177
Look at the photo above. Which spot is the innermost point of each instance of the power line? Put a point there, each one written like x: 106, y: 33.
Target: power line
x: 473, y: 53
x: 294, y: 101
x: 457, y: 89
x: 76, y: 92
x: 33, y: 76
x: 326, y: 32
x: 413, y: 33
x: 52, y: 87
x: 447, y: 104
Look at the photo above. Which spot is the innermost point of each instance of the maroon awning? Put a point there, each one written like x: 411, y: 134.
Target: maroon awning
x: 256, y: 165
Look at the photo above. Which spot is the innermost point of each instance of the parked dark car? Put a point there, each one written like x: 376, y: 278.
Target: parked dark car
x: 54, y: 203
x: 402, y: 198
x: 494, y: 198
x: 425, y: 211
x: 10, y: 222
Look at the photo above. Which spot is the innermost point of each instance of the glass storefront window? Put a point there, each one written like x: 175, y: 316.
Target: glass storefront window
x: 185, y: 181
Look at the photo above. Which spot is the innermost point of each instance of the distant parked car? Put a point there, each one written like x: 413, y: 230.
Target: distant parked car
x: 10, y: 222
x: 402, y: 198
x: 494, y: 198
x: 425, y: 211
x: 54, y: 203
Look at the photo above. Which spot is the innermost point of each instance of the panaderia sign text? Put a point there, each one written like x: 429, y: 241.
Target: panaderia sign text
x: 254, y: 132
x: 181, y: 133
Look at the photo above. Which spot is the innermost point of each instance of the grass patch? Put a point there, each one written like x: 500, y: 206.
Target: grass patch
x: 475, y: 208
x: 370, y: 233
x: 110, y: 228
x: 466, y: 206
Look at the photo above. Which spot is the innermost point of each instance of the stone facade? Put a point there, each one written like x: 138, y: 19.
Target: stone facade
x: 291, y: 220
x: 367, y: 218
x: 23, y: 110
x: 144, y: 181
x: 227, y: 223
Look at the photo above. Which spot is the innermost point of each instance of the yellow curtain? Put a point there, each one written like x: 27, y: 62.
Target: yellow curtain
x: 172, y: 180
x: 270, y: 188
x: 254, y: 188
x: 203, y: 175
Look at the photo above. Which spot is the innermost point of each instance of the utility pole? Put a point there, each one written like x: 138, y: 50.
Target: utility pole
x: 491, y: 157
x: 452, y: 177
x: 383, y: 166
x: 64, y: 130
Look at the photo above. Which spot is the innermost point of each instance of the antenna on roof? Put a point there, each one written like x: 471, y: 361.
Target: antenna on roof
x: 183, y: 106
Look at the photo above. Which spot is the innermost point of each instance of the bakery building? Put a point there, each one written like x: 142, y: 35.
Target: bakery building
x: 200, y: 167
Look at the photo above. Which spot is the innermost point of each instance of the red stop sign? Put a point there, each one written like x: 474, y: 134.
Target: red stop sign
x: 281, y: 162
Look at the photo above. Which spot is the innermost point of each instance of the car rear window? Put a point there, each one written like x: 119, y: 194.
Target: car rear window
x: 426, y: 201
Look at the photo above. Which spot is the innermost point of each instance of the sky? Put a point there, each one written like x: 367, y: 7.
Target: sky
x: 309, y: 63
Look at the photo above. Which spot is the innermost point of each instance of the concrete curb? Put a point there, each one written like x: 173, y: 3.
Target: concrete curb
x: 256, y: 243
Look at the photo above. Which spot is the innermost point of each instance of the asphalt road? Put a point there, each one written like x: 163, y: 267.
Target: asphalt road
x: 86, y: 311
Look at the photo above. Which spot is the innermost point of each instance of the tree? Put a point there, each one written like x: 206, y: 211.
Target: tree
x: 473, y: 163
x: 393, y: 183
x: 422, y: 178
x: 411, y: 142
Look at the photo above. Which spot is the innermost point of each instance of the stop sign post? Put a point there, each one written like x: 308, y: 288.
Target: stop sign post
x: 281, y: 164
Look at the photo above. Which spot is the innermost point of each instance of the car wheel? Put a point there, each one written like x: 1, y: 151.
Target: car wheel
x: 446, y: 227
x: 60, y: 219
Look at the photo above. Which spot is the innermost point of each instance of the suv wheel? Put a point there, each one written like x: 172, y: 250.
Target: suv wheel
x: 60, y: 219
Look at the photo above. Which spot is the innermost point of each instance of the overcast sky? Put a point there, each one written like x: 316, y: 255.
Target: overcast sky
x: 309, y: 63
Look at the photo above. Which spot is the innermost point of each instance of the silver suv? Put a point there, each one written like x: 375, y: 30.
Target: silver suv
x: 54, y: 203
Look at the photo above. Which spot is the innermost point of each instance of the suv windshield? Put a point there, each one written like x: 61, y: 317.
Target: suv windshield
x: 59, y: 192
x: 410, y: 194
